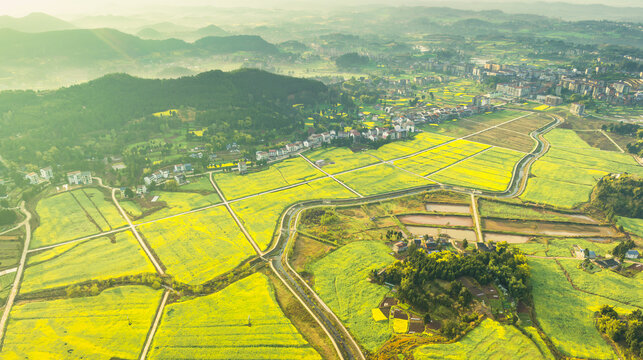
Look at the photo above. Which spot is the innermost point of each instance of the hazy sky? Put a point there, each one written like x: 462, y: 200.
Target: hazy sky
x: 102, y: 7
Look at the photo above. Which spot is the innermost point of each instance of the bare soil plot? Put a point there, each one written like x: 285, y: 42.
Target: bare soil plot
x: 548, y: 228
x: 597, y: 139
x: 448, y: 208
x: 437, y: 220
x: 505, y: 138
x: 509, y: 238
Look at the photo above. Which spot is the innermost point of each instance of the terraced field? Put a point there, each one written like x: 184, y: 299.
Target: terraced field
x: 260, y: 214
x: 284, y: 173
x: 199, y: 246
x: 97, y: 259
x: 242, y: 321
x: 489, y: 340
x: 491, y: 170
x: 341, y: 280
x: 440, y: 157
x: 62, y: 217
x: 113, y: 324
x: 380, y: 179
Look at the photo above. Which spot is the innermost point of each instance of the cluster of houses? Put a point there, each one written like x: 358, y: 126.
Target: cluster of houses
x: 428, y: 243
x: 45, y: 174
x: 178, y: 174
x: 606, y: 263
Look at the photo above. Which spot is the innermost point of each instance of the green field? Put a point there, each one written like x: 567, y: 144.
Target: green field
x: 113, y: 324
x: 179, y: 202
x: 97, y: 259
x: 62, y: 218
x: 606, y: 283
x: 474, y: 124
x: 565, y: 176
x: 489, y: 340
x: 566, y: 315
x: 397, y: 149
x: 634, y: 226
x: 440, y: 157
x: 561, y: 247
x: 509, y: 211
x: 283, y: 173
x: 341, y: 280
x: 199, y: 184
x: 199, y: 246
x: 343, y: 158
x: 381, y: 178
x: 6, y: 282
x: 216, y: 326
x: 491, y: 170
x: 260, y: 214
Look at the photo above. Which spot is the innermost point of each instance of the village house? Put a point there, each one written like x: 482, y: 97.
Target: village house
x: 180, y: 179
x: 32, y: 177
x: 607, y: 263
x: 79, y: 178
x: 399, y: 247
x: 141, y: 189
x: 632, y: 254
x: 242, y: 167
x: 580, y: 253
x: 46, y: 173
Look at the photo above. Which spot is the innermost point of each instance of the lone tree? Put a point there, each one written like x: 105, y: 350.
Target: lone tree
x: 465, y: 244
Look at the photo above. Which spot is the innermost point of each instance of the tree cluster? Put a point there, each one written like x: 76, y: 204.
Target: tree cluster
x: 626, y: 331
x: 622, y: 196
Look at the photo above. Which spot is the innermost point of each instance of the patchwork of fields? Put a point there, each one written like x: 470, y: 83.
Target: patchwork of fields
x: 243, y: 321
x: 74, y: 214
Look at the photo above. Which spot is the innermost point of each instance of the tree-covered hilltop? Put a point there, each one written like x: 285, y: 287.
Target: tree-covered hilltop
x: 103, y: 116
x: 619, y: 195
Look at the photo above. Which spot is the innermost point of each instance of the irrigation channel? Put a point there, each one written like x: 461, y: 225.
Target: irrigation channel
x: 278, y: 255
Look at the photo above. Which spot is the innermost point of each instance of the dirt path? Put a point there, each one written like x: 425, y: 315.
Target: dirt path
x: 19, y: 270
x: 476, y: 217
x: 613, y: 142
x: 155, y: 325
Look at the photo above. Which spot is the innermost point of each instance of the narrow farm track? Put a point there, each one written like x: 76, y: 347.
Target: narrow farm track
x: 613, y: 142
x: 155, y: 325
x: 19, y: 270
x: 331, y: 176
x: 476, y: 217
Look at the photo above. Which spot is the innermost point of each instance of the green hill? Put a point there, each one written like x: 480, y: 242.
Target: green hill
x: 76, y: 120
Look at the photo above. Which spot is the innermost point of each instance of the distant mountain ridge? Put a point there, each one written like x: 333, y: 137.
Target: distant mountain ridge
x: 33, y: 23
x: 90, y: 45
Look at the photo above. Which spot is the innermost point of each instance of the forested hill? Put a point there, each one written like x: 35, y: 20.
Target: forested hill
x: 88, y: 46
x: 33, y: 122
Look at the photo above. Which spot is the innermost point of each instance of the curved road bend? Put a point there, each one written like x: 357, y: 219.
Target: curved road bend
x: 278, y: 256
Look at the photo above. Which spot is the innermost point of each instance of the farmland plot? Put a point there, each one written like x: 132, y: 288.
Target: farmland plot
x: 111, y: 325
x: 179, y: 202
x: 97, y: 259
x: 381, y: 178
x: 200, y: 246
x: 242, y: 321
x: 343, y: 159
x: 397, y: 149
x: 283, y: 173
x: 341, y: 280
x: 491, y: 170
x: 62, y: 218
x: 489, y: 340
x: 440, y: 157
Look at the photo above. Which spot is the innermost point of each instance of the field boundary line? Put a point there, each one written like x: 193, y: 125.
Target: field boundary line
x: 19, y: 272
x: 8, y: 271
x: 495, y: 126
x: 331, y: 176
x: 141, y: 242
x: 90, y: 237
x: 459, y: 161
x: 613, y: 142
x: 155, y: 324
x: 236, y: 219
